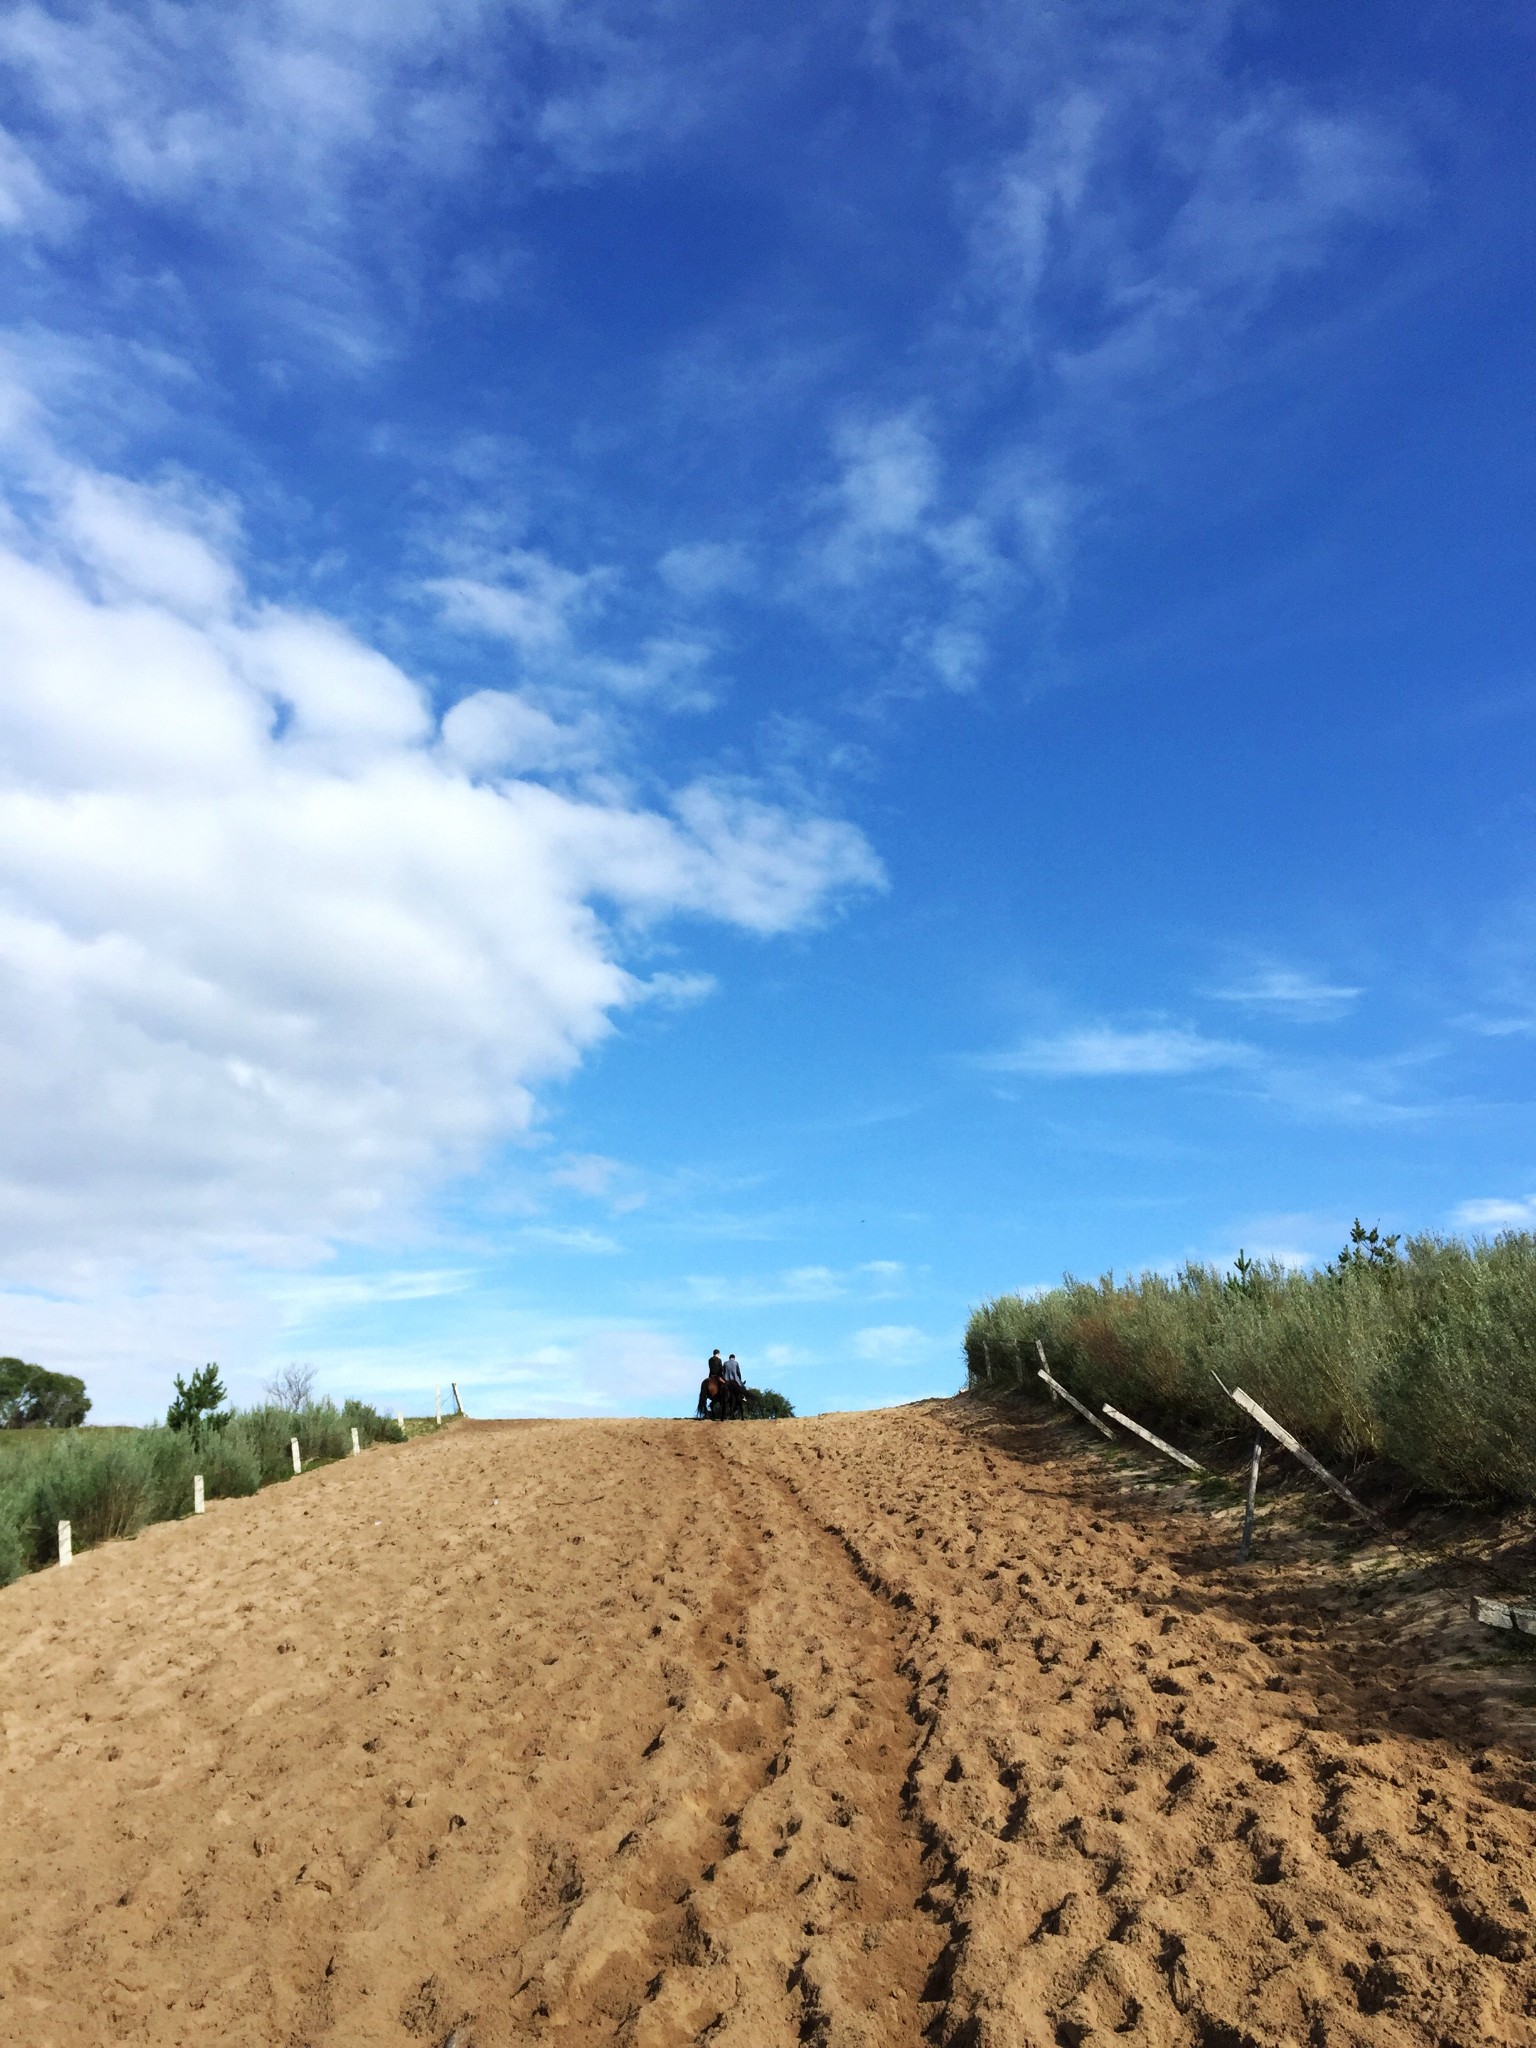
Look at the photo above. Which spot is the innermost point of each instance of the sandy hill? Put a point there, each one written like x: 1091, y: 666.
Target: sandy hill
x: 912, y: 1726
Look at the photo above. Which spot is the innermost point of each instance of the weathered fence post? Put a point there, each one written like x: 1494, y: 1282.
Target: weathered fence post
x: 1253, y: 1492
x: 356, y: 1446
x: 293, y: 1446
x: 66, y: 1544
x: 197, y: 1493
x: 1139, y: 1429
x: 1282, y: 1435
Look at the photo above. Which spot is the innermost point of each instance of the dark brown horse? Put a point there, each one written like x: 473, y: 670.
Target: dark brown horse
x: 722, y: 1400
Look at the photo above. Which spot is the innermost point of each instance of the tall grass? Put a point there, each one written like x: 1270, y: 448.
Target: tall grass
x: 107, y: 1483
x: 1427, y: 1363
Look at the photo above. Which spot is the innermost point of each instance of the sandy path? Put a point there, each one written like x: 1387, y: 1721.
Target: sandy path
x: 864, y: 1730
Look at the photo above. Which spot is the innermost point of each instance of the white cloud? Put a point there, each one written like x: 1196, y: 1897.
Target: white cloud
x: 892, y: 1344
x: 1495, y: 1214
x: 699, y: 570
x: 874, y: 1279
x: 305, y: 1296
x: 571, y: 1238
x: 532, y: 602
x: 1103, y: 1050
x: 28, y: 203
x: 589, y: 1173
x: 271, y: 961
x: 1290, y: 992
x: 500, y: 732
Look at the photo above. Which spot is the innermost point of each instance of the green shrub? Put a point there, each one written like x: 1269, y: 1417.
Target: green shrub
x: 764, y: 1405
x: 108, y: 1483
x: 1426, y: 1357
x: 101, y: 1488
x: 15, y: 1538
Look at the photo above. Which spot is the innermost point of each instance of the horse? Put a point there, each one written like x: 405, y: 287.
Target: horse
x: 721, y: 1400
x: 712, y: 1396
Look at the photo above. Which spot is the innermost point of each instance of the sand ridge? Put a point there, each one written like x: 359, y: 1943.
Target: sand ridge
x: 869, y: 1729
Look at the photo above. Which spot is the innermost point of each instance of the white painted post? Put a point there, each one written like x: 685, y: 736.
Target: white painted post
x: 356, y: 1446
x: 400, y: 1417
x: 293, y: 1446
x: 439, y: 1407
x: 66, y: 1545
x: 197, y: 1493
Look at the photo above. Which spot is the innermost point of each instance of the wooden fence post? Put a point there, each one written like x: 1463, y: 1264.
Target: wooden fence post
x: 1086, y: 1413
x: 1319, y: 1471
x: 197, y: 1493
x: 66, y: 1544
x: 1253, y: 1493
x: 1181, y: 1457
x: 293, y: 1446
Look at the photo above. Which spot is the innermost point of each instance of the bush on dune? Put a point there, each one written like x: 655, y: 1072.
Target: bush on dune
x: 1426, y: 1359
x: 112, y: 1483
x: 764, y: 1405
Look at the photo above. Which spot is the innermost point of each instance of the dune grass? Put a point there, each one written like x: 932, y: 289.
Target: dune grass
x: 1424, y: 1361
x: 112, y: 1482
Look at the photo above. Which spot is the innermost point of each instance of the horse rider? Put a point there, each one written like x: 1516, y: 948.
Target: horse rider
x: 711, y: 1393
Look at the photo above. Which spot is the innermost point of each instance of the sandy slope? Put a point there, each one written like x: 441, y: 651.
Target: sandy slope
x: 871, y: 1729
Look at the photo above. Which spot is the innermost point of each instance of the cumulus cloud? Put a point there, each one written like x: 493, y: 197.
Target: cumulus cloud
x: 279, y: 948
x: 1102, y: 1050
x: 1494, y: 1213
x: 892, y: 1344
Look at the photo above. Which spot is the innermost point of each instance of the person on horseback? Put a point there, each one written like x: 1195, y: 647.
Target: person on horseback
x: 735, y: 1389
x: 712, y: 1392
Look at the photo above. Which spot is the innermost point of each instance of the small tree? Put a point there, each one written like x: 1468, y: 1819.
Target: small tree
x: 764, y: 1405
x: 195, y: 1408
x: 1367, y: 1252
x: 31, y: 1397
x: 292, y: 1387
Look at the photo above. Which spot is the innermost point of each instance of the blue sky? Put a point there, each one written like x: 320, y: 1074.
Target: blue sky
x: 674, y: 677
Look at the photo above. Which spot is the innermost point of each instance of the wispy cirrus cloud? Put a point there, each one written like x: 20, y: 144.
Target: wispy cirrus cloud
x: 1289, y: 992
x: 874, y: 1279
x: 893, y: 1344
x: 1104, y: 1050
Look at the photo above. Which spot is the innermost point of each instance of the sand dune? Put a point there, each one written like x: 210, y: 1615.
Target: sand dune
x: 873, y: 1729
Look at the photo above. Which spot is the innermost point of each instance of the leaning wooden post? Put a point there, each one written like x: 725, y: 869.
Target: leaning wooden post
x: 1140, y: 1429
x: 458, y: 1404
x: 1283, y: 1436
x: 1071, y: 1399
x: 1253, y: 1493
x: 1045, y: 1370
